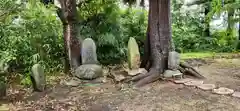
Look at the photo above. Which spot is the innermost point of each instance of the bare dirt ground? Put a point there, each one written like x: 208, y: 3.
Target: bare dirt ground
x: 158, y: 96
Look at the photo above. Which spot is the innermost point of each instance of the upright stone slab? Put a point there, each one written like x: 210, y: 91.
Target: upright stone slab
x: 38, y: 77
x: 89, y: 69
x: 133, y: 54
x: 173, y: 60
x: 88, y: 52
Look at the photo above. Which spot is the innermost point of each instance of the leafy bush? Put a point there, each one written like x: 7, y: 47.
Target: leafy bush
x: 225, y: 42
x: 35, y: 38
x: 112, y: 33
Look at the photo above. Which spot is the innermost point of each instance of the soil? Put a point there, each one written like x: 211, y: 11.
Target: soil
x: 158, y: 96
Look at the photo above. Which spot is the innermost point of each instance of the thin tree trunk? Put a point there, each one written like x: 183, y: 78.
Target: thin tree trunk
x: 159, y: 41
x: 238, y: 40
x: 207, y: 25
x: 230, y: 22
x: 239, y: 30
x: 68, y: 16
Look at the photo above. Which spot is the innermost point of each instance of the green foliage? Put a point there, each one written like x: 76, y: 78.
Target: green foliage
x: 225, y: 42
x: 33, y: 35
x: 104, y: 27
x: 134, y: 24
x: 26, y: 80
x: 188, y: 31
x: 111, y: 28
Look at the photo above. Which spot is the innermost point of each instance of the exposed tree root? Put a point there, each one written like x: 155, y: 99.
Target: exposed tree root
x: 188, y: 70
x: 156, y: 46
x: 150, y: 77
x: 138, y: 77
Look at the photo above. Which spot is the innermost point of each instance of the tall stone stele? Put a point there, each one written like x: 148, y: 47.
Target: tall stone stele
x: 133, y: 54
x: 173, y: 60
x: 88, y: 52
x: 90, y: 68
x: 38, y: 78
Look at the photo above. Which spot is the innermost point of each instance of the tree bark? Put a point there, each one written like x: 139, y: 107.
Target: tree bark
x: 68, y: 16
x: 207, y: 25
x: 230, y: 21
x: 159, y: 38
x: 145, y: 61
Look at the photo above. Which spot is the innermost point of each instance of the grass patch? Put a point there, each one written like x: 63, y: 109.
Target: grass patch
x: 192, y: 55
x: 197, y: 55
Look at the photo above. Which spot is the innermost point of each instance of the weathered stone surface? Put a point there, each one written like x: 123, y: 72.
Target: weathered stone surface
x: 236, y: 94
x: 137, y: 71
x: 173, y: 60
x: 171, y: 73
x: 73, y: 82
x: 38, y: 77
x: 100, y: 80
x: 223, y: 91
x: 207, y: 86
x: 88, y: 71
x: 178, y: 76
x: 88, y: 52
x: 133, y: 54
x: 181, y: 81
x: 3, y: 89
x: 194, y: 83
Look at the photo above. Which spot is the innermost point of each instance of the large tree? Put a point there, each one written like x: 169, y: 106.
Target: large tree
x: 157, y: 43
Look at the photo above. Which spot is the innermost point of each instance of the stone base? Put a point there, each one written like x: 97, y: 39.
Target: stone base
x: 181, y: 81
x: 194, y: 83
x: 207, y: 87
x: 223, y: 91
x: 236, y: 94
x: 88, y: 71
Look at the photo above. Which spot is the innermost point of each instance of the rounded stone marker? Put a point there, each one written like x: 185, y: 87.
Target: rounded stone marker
x: 236, y: 94
x: 193, y: 83
x: 207, y: 86
x: 223, y: 91
x: 181, y: 81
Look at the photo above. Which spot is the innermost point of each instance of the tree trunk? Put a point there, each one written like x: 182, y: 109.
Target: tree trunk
x: 207, y: 25
x: 146, y: 56
x: 239, y: 30
x: 158, y: 39
x: 68, y: 16
x: 238, y: 40
x: 230, y: 21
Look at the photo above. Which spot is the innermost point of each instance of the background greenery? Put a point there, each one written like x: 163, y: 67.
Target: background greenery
x: 32, y: 33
